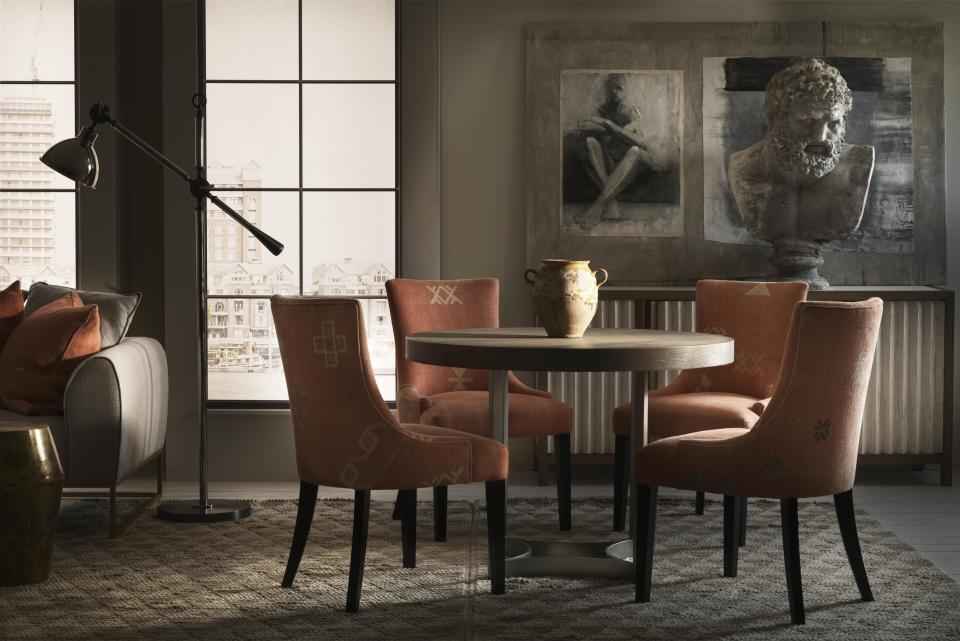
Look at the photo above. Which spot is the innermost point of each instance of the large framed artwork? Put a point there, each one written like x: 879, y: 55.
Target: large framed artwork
x: 621, y: 152
x: 631, y: 127
x: 733, y: 119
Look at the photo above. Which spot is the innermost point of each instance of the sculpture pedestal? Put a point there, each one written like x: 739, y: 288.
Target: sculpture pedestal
x: 798, y: 260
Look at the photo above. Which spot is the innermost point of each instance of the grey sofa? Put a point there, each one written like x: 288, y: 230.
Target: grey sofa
x: 114, y: 422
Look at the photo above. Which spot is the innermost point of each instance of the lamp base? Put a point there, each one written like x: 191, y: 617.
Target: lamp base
x: 214, y: 510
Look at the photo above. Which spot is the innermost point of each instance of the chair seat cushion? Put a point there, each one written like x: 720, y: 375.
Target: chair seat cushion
x: 675, y: 414
x: 470, y: 412
x: 490, y: 460
x: 689, y: 463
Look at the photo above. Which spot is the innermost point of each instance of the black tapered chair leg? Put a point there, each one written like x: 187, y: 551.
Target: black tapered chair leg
x: 790, y: 527
x: 396, y: 507
x: 621, y: 483
x: 358, y: 549
x: 561, y: 450
x: 743, y: 522
x: 731, y: 534
x: 701, y: 502
x: 851, y: 542
x: 408, y: 526
x: 305, y: 507
x: 496, y: 534
x: 440, y: 513
x: 644, y: 528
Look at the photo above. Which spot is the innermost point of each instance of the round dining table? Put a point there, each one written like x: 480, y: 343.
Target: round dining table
x: 502, y: 349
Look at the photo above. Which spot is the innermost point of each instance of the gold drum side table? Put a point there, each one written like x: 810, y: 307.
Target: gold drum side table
x: 31, y: 480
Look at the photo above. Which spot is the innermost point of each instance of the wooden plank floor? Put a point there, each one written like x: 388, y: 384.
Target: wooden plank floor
x: 911, y: 504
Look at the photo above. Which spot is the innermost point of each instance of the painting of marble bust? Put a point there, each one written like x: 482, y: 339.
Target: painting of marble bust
x: 621, y: 147
x: 735, y: 119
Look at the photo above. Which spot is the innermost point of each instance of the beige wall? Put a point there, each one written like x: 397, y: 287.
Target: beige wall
x: 463, y: 172
x: 481, y: 91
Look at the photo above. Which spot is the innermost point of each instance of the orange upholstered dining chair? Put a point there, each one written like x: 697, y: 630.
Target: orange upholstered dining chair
x: 457, y: 398
x: 757, y: 316
x: 804, y: 445
x: 346, y: 436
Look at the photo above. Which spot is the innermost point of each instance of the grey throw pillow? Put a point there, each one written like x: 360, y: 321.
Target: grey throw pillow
x: 116, y: 310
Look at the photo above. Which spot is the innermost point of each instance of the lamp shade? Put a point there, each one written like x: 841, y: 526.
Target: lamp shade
x: 74, y: 158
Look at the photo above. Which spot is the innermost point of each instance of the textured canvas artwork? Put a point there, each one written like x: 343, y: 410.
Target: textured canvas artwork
x: 621, y: 133
x: 733, y: 119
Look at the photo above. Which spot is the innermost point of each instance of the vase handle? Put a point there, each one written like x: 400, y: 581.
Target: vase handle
x: 606, y: 276
x: 526, y: 275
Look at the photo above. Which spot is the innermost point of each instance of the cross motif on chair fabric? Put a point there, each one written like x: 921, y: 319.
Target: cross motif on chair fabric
x: 759, y: 290
x: 443, y: 295
x: 748, y: 363
x: 458, y: 379
x: 714, y: 330
x: 367, y: 442
x: 329, y: 344
x: 447, y: 478
x: 821, y: 430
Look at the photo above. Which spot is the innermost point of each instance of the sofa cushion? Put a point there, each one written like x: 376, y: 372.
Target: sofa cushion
x: 116, y: 310
x: 11, y: 311
x: 43, y: 351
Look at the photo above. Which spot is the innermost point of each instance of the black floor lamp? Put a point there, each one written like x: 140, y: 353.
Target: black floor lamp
x: 76, y: 159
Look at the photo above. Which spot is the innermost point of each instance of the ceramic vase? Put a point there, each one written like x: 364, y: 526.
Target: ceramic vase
x: 565, y: 294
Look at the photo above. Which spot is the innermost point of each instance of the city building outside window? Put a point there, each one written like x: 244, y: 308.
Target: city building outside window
x: 323, y: 179
x: 38, y: 208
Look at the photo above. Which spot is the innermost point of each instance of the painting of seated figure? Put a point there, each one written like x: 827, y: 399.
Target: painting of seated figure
x: 621, y: 153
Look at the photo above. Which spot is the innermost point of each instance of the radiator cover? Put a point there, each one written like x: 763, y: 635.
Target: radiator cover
x: 904, y: 407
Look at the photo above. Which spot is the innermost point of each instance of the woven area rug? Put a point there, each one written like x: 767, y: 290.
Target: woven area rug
x: 165, y: 580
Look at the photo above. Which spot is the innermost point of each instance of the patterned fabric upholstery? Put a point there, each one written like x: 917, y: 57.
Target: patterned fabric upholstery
x: 757, y: 316
x: 344, y: 433
x: 453, y: 397
x: 806, y: 442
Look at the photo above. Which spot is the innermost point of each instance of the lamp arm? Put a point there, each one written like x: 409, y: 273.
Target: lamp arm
x: 144, y: 146
x: 199, y: 186
x: 272, y: 244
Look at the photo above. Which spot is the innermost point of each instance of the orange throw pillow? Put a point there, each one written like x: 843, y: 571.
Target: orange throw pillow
x: 43, y: 351
x: 11, y: 311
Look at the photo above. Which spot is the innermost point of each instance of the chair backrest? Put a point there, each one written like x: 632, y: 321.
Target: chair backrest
x: 807, y: 441
x: 431, y: 305
x: 757, y: 316
x: 342, y: 428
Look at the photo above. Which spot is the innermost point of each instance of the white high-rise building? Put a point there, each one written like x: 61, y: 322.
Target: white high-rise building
x: 27, y: 218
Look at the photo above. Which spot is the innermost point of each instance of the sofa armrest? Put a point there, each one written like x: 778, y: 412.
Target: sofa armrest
x: 115, y: 411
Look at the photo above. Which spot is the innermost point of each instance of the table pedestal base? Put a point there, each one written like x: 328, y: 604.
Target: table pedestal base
x: 544, y: 558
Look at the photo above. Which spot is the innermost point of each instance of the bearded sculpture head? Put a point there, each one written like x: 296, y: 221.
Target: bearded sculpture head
x: 806, y: 107
x: 803, y: 185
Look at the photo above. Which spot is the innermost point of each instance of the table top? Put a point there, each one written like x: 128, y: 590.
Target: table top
x: 600, y: 350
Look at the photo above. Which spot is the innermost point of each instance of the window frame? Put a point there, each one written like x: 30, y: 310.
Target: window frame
x: 75, y: 190
x: 262, y: 404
